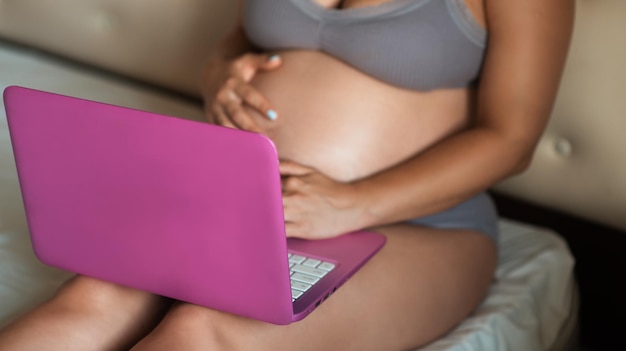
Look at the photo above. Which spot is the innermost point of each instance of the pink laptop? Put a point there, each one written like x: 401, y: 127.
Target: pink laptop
x: 179, y: 208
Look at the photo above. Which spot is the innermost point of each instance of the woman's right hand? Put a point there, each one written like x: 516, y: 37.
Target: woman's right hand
x: 225, y: 103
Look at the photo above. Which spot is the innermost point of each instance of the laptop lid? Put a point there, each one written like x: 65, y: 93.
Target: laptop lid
x: 179, y: 208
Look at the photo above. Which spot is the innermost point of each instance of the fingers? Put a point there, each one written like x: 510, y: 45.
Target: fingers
x: 220, y: 117
x: 295, y: 226
x: 228, y: 107
x: 253, y: 98
x: 233, y: 96
x: 291, y: 176
x: 297, y: 230
x: 292, y: 185
x: 290, y: 209
x: 289, y: 168
x: 235, y: 112
x: 247, y: 66
x: 245, y: 69
x: 229, y: 111
x: 272, y: 61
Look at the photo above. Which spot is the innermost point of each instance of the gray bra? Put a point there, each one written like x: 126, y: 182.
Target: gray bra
x: 415, y: 44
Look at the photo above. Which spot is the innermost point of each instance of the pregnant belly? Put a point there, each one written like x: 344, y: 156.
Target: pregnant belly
x: 347, y: 124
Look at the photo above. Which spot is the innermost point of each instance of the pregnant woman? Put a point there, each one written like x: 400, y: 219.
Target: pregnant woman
x: 392, y: 115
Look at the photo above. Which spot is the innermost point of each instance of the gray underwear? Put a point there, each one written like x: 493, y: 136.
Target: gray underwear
x: 478, y: 214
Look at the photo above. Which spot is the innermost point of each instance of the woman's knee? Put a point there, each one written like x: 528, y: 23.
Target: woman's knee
x: 87, y: 294
x: 194, y: 327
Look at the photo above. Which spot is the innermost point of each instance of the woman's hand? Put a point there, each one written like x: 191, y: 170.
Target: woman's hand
x: 231, y: 79
x: 316, y: 206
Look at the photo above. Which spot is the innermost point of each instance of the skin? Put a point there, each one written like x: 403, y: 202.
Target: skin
x: 424, y: 281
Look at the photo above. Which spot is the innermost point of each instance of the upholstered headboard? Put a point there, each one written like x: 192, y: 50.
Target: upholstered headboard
x: 162, y: 42
x: 580, y: 164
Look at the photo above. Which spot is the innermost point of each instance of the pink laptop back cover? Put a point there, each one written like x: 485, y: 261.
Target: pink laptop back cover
x: 178, y: 208
x: 117, y: 194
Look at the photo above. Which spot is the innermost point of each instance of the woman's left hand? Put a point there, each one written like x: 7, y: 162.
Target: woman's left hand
x: 316, y: 206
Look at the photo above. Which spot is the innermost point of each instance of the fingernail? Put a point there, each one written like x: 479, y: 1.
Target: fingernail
x: 271, y: 114
x: 273, y: 57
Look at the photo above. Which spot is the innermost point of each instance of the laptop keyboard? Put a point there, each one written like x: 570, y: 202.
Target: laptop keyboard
x: 306, y: 272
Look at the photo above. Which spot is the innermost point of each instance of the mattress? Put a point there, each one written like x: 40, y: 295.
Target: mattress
x: 528, y: 304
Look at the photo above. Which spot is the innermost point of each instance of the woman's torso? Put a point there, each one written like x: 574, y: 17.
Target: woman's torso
x: 351, y: 114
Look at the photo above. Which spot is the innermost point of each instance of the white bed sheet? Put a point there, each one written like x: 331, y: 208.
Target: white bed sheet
x: 525, y: 310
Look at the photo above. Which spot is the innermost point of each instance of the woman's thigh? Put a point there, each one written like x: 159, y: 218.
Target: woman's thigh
x: 420, y: 285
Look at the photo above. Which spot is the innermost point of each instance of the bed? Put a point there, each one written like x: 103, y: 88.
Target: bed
x: 136, y: 55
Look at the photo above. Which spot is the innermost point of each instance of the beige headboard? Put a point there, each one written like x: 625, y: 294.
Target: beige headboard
x: 580, y: 165
x: 163, y: 42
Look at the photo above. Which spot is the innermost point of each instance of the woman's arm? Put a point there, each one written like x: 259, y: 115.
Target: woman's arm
x: 225, y: 80
x: 233, y: 45
x: 528, y: 43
